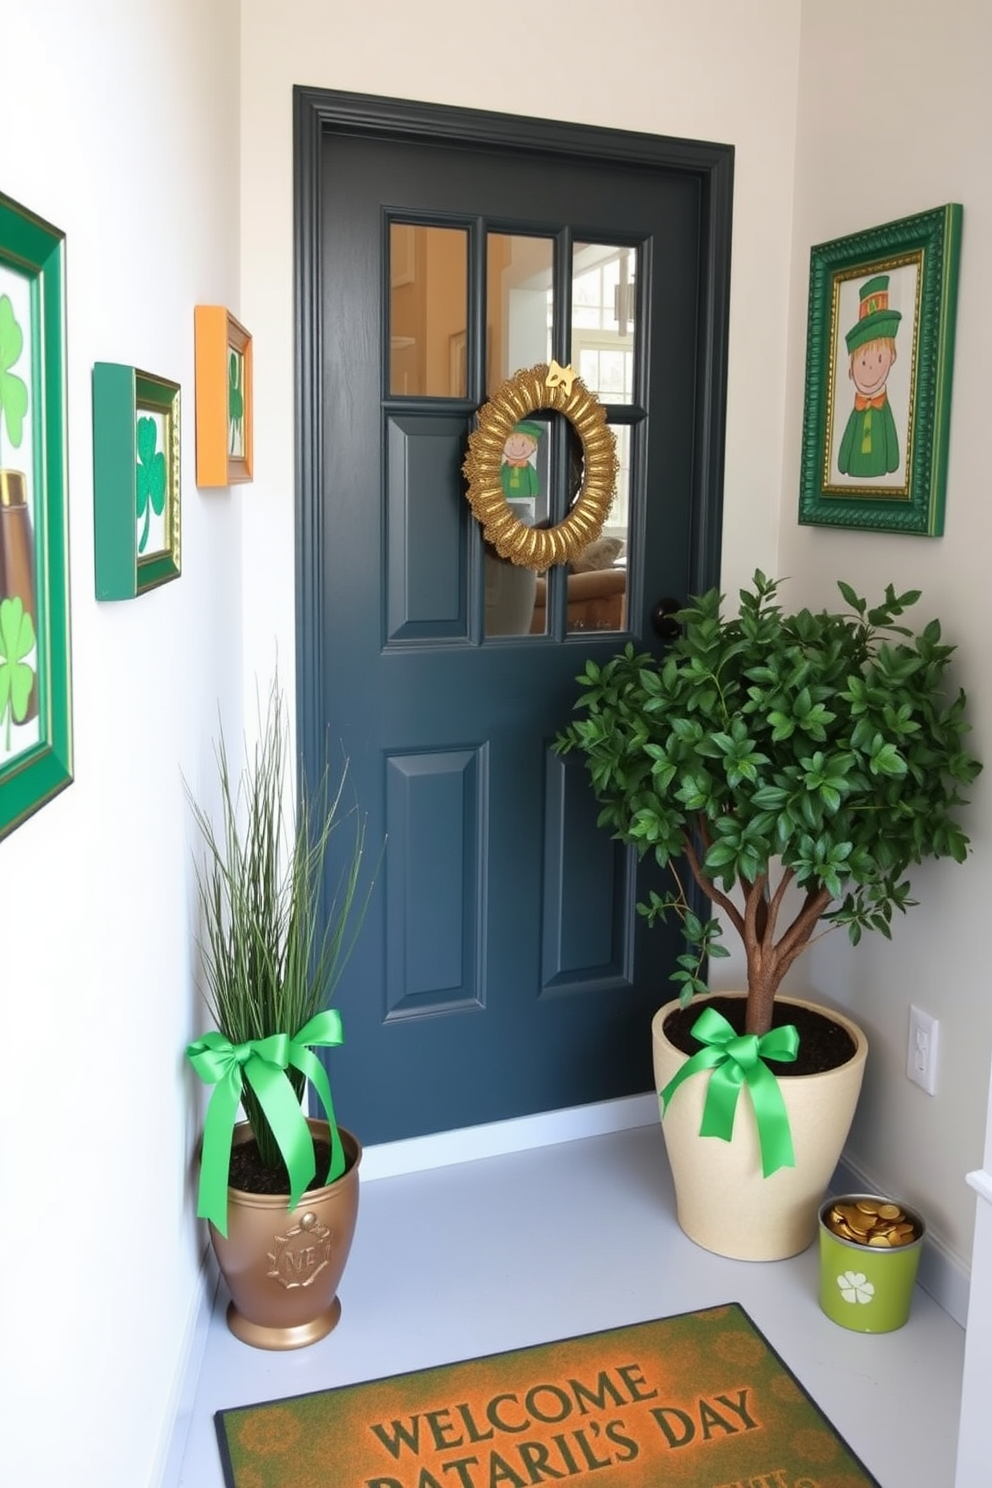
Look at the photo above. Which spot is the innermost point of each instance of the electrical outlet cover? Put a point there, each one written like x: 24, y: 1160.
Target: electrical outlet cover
x: 921, y: 1055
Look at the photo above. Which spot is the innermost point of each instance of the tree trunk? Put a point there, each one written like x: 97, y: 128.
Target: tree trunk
x: 762, y: 985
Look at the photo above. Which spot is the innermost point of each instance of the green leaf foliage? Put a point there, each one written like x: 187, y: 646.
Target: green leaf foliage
x: 826, y: 746
x: 235, y: 395
x: 274, y: 935
x: 150, y: 478
x: 17, y: 639
x: 13, y: 389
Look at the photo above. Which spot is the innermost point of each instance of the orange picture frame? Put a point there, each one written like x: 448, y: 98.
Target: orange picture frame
x: 224, y: 432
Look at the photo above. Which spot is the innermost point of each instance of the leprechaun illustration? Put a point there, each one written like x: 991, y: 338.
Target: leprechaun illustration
x: 519, y: 478
x: 870, y: 445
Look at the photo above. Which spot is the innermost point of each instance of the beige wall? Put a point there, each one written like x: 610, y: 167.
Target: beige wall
x: 927, y: 113
x: 121, y: 128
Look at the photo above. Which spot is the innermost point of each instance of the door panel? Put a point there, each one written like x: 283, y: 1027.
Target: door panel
x: 425, y: 582
x: 502, y: 968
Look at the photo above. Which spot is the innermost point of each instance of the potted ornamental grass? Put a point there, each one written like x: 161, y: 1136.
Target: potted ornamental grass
x: 786, y: 770
x: 280, y: 1190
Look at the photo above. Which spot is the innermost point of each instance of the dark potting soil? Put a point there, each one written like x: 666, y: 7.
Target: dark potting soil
x: 248, y: 1174
x: 823, y: 1044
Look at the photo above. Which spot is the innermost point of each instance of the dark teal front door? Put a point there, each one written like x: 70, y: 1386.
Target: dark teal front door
x: 502, y: 968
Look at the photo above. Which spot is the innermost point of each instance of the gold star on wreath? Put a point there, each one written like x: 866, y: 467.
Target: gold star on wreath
x: 537, y: 388
x: 560, y: 376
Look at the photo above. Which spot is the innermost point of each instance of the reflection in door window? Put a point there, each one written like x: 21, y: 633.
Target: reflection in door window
x: 519, y: 304
x: 604, y: 306
x: 521, y: 321
x: 428, y: 310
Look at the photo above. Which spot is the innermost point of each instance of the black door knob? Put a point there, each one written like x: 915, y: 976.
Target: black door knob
x: 663, y: 621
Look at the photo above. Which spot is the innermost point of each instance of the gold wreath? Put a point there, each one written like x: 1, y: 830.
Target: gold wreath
x: 561, y: 389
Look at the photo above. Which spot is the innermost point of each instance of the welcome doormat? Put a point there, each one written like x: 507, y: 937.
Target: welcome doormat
x: 696, y: 1401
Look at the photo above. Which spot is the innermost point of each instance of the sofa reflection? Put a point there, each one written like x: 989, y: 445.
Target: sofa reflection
x: 596, y: 601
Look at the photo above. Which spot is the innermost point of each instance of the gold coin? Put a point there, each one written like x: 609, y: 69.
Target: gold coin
x: 867, y: 1206
x: 860, y: 1222
x: 890, y: 1211
x: 878, y: 1240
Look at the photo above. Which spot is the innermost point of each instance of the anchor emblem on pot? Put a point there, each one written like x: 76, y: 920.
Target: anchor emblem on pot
x: 301, y: 1254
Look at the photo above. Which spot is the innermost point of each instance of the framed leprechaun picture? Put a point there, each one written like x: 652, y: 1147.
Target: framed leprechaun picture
x: 879, y: 359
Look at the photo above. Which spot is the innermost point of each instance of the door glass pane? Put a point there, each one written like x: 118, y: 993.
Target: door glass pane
x: 604, y: 304
x: 518, y: 319
x: 428, y: 299
x: 597, y: 581
x: 516, y: 596
x: 518, y: 335
x: 604, y: 279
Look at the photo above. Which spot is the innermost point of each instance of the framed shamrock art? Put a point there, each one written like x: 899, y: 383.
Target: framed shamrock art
x: 136, y: 488
x: 224, y: 436
x: 35, y: 706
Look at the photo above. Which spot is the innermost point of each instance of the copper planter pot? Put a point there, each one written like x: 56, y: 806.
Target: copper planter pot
x: 283, y: 1266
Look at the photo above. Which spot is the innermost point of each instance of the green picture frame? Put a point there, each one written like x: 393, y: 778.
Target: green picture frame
x: 879, y: 363
x: 35, y: 663
x: 136, y: 481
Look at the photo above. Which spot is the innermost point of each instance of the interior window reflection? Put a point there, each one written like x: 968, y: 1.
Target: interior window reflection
x: 428, y: 310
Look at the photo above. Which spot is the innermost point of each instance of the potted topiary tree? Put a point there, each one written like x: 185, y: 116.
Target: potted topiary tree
x: 280, y: 1191
x: 786, y: 770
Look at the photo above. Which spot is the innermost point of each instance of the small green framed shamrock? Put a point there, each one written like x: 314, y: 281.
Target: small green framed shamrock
x: 136, y: 480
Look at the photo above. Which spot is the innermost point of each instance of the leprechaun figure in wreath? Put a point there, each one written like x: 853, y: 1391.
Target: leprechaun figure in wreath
x: 870, y: 445
x: 519, y: 479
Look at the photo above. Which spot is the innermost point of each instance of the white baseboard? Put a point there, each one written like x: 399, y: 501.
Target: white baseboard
x: 943, y: 1274
x: 177, y: 1418
x: 497, y: 1138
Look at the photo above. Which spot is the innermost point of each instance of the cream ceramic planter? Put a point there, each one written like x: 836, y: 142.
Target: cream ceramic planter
x: 724, y: 1202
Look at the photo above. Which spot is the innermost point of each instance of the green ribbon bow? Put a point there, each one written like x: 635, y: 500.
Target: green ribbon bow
x: 263, y: 1064
x: 736, y: 1060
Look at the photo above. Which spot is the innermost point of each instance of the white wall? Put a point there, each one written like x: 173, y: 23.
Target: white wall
x: 121, y: 128
x: 895, y: 117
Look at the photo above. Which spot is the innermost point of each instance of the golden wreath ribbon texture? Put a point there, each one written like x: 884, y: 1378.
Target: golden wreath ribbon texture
x: 545, y: 386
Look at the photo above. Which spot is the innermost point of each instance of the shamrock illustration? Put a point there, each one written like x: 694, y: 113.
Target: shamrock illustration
x: 13, y: 391
x: 855, y: 1287
x: 235, y: 398
x: 150, y: 477
x: 16, y: 676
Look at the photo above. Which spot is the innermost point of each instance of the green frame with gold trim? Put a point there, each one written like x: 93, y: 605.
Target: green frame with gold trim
x: 35, y: 667
x: 127, y: 562
x: 881, y: 464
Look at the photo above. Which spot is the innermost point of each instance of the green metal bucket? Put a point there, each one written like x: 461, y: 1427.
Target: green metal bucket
x: 863, y: 1287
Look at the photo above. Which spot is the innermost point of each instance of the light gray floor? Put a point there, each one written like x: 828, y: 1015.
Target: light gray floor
x: 509, y: 1251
